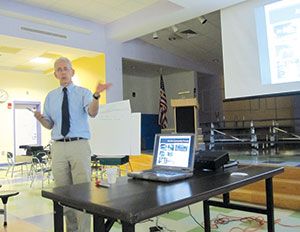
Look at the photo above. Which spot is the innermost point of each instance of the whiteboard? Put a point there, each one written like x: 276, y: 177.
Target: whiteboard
x: 135, y: 131
x: 115, y: 131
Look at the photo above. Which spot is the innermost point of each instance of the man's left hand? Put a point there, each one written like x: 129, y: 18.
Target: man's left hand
x: 101, y: 87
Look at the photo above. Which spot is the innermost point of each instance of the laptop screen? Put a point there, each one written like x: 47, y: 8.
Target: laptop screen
x: 174, y: 151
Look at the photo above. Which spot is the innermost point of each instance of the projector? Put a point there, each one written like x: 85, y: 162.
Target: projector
x: 210, y: 159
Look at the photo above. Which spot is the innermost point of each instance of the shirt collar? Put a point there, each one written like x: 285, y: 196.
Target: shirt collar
x: 69, y: 87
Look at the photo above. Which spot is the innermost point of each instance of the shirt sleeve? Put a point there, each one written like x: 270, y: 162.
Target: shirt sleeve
x: 88, y: 98
x: 47, y: 110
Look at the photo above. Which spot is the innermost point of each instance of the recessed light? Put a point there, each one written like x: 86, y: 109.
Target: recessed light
x: 40, y: 60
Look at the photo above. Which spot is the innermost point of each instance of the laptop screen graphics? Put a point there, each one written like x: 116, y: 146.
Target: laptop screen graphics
x: 173, y: 152
x: 173, y: 158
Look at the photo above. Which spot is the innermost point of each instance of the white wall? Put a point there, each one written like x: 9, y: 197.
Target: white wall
x: 139, y: 50
x: 147, y: 91
x: 21, y: 86
x: 175, y: 83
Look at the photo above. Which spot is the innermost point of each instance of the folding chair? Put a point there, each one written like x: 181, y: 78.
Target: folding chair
x: 12, y: 164
x: 40, y: 165
x: 95, y: 165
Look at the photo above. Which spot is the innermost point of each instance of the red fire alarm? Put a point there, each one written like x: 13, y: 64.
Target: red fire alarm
x: 9, y: 105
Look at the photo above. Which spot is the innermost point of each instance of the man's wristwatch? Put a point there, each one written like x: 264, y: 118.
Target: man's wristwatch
x: 96, y: 96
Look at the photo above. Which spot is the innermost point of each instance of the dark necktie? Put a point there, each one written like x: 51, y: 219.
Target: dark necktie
x: 65, y: 125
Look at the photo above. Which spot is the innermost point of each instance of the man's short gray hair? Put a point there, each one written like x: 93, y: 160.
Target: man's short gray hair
x: 63, y: 59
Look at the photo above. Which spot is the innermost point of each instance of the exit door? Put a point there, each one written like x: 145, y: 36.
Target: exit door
x: 27, y: 130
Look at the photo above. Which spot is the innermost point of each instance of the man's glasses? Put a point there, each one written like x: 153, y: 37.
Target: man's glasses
x: 60, y: 70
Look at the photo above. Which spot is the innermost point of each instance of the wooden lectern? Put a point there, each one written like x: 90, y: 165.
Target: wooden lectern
x: 185, y: 115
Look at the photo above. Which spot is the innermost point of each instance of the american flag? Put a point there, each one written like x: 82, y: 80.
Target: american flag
x: 163, y: 106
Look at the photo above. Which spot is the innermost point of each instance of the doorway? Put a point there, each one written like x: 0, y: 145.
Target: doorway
x: 27, y: 130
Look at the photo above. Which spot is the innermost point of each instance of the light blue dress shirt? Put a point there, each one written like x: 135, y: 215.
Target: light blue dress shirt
x: 79, y: 101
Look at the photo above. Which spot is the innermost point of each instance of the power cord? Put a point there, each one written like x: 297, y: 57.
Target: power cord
x: 222, y: 219
x: 190, y: 212
x: 159, y: 228
x: 162, y: 228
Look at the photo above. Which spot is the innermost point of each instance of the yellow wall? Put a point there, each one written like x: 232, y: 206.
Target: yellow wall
x: 90, y: 71
x: 25, y: 86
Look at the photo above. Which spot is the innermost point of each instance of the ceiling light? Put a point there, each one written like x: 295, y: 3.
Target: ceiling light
x: 175, y: 29
x: 155, y: 36
x: 202, y: 19
x: 40, y: 60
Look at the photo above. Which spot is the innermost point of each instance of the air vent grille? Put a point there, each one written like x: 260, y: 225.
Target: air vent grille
x: 189, y: 31
x: 44, y: 32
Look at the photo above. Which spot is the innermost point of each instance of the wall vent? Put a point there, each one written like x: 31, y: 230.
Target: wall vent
x: 48, y: 33
x: 189, y: 31
x: 187, y: 34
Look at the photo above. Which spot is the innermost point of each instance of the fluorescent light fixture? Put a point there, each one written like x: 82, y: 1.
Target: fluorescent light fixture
x: 40, y: 60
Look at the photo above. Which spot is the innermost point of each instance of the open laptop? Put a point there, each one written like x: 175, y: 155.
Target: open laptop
x: 173, y: 158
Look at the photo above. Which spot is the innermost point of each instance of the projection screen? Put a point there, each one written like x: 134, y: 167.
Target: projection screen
x: 261, y: 48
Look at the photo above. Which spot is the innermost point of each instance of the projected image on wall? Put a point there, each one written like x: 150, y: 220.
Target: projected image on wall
x: 279, y: 41
x: 261, y: 48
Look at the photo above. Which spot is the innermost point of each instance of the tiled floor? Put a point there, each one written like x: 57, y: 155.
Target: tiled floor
x: 29, y: 212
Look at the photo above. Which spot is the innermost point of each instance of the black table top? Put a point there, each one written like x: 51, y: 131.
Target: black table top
x: 134, y: 200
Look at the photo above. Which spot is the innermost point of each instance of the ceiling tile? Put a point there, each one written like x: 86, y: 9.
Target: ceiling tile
x: 24, y: 67
x: 50, y: 55
x: 11, y: 50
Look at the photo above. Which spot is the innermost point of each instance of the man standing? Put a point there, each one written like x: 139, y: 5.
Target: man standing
x: 66, y: 111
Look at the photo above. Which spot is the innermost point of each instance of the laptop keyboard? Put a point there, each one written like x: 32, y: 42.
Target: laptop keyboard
x: 164, y: 172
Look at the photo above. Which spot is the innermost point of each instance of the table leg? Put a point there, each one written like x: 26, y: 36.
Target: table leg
x: 206, y: 216
x: 126, y: 227
x: 270, y: 205
x: 226, y: 198
x: 99, y: 223
x: 58, y: 217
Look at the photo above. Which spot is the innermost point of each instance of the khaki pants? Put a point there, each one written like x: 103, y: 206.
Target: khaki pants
x: 71, y: 164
